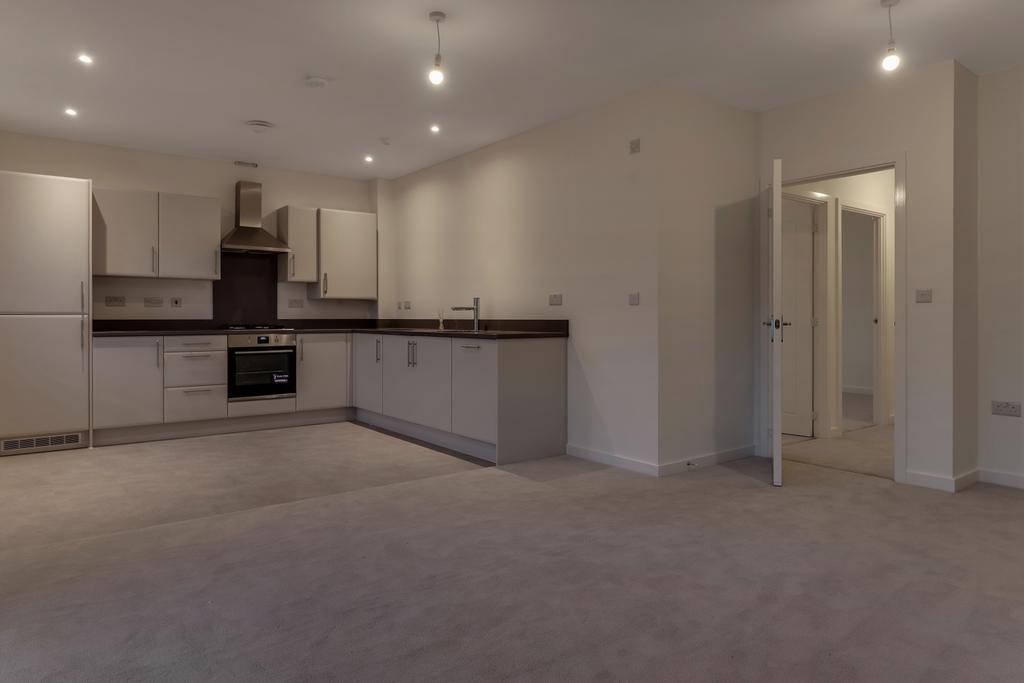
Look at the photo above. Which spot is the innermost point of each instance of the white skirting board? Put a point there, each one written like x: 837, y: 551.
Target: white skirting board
x: 1011, y: 479
x: 183, y: 430
x: 943, y: 483
x: 662, y: 469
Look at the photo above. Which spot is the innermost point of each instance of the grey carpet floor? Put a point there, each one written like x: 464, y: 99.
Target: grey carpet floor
x: 858, y: 410
x: 547, y: 571
x: 867, y: 451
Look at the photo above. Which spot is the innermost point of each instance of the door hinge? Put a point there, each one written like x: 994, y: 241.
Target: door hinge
x: 815, y: 322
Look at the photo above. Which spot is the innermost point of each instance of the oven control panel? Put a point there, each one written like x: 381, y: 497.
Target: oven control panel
x: 249, y: 340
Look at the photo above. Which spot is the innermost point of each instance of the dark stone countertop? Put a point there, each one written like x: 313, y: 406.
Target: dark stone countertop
x: 493, y: 329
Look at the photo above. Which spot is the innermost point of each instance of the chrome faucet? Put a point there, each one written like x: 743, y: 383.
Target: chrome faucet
x: 476, y: 312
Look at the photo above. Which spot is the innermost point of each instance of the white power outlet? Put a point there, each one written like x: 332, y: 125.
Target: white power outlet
x: 1006, y: 408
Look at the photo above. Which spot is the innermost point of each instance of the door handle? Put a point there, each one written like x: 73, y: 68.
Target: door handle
x: 378, y: 349
x: 474, y: 347
x: 198, y: 391
x: 205, y: 343
x: 293, y: 265
x: 325, y: 285
x: 82, y: 294
x: 152, y: 259
x: 158, y: 354
x: 415, y: 354
x: 197, y: 355
x: 408, y: 354
x: 302, y: 349
x: 216, y: 261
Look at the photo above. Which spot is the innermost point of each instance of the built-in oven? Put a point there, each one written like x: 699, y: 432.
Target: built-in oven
x: 261, y: 366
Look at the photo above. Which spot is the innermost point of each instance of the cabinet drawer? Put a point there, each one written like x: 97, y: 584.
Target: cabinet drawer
x: 269, y: 406
x: 199, y: 342
x: 475, y: 389
x: 186, y: 404
x: 195, y: 368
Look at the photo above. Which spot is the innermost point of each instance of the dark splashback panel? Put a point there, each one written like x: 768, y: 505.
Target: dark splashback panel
x: 246, y: 292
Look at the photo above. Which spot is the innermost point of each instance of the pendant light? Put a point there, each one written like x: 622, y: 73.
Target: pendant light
x: 436, y: 75
x: 891, y: 60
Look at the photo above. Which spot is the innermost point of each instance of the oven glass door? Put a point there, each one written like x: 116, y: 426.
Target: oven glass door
x: 261, y: 373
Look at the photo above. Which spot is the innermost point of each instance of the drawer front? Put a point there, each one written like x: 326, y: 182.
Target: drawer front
x: 199, y: 342
x: 475, y: 389
x: 186, y: 404
x: 270, y: 406
x: 195, y: 368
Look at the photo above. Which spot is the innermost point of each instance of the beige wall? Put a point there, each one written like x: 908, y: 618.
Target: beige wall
x: 565, y: 209
x: 905, y: 118
x: 1001, y: 277
x: 119, y: 168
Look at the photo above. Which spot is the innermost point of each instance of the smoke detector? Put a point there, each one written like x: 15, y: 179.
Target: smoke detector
x: 259, y: 125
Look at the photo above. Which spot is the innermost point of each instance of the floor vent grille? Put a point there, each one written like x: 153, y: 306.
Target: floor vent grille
x: 31, y: 444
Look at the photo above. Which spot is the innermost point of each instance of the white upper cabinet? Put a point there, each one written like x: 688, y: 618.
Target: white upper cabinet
x: 125, y: 234
x: 296, y: 227
x: 322, y: 371
x: 347, y: 254
x: 189, y: 237
x: 128, y: 381
x: 44, y: 258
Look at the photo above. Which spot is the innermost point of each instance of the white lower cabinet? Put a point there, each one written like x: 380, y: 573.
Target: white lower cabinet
x: 187, y: 404
x: 417, y: 385
x: 475, y: 389
x: 128, y: 384
x: 322, y: 371
x: 368, y: 372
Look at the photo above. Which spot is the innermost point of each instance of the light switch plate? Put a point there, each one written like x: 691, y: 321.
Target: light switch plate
x: 634, y: 146
x: 115, y: 302
x: 1006, y: 408
x: 554, y: 299
x: 634, y: 299
x: 407, y: 305
x: 923, y: 296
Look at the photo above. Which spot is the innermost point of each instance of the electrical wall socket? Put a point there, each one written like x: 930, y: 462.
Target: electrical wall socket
x: 923, y: 296
x: 115, y: 301
x: 554, y: 299
x: 296, y: 303
x: 1006, y: 408
x: 634, y: 299
x: 153, y: 302
x: 634, y: 146
x: 407, y: 305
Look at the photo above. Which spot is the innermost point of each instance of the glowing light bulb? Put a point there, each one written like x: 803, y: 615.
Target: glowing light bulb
x: 71, y: 112
x: 891, y: 61
x: 368, y: 159
x: 436, y: 76
x: 435, y: 128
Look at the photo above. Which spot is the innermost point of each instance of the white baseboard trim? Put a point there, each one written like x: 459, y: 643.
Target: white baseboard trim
x: 715, y: 458
x: 663, y: 469
x: 1001, y: 478
x: 185, y: 430
x: 942, y: 483
x: 866, y: 391
x: 620, y: 461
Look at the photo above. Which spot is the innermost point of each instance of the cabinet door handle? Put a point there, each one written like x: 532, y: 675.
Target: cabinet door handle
x: 216, y: 261
x: 203, y: 343
x: 81, y: 331
x: 475, y: 347
x: 408, y: 354
x: 293, y: 265
x: 82, y: 295
x: 302, y: 349
x: 325, y: 284
x: 415, y: 354
x: 198, y: 391
x: 378, y: 349
x: 196, y: 355
x: 152, y: 259
x: 158, y: 354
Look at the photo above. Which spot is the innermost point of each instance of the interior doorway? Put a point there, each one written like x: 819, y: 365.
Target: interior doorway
x: 838, y: 308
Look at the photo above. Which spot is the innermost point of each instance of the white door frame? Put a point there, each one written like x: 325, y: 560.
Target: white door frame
x: 856, y: 165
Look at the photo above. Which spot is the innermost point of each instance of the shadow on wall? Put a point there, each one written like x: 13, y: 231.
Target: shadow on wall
x: 734, y: 329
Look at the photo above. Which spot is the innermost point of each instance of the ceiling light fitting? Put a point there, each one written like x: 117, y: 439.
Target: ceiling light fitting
x: 84, y: 58
x: 71, y: 112
x: 316, y: 81
x: 435, y: 128
x: 891, y: 60
x: 368, y: 159
x: 259, y: 125
x: 436, y: 75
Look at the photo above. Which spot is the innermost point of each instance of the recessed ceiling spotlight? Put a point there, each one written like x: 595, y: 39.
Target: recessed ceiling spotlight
x: 435, y: 129
x: 84, y: 58
x: 316, y: 82
x: 259, y: 125
x: 891, y: 60
x: 436, y: 75
x: 368, y: 159
x: 71, y: 112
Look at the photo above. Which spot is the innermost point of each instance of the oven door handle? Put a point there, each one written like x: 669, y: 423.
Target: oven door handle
x: 249, y: 353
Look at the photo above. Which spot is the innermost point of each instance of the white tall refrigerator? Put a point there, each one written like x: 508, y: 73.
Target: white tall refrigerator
x: 45, y: 303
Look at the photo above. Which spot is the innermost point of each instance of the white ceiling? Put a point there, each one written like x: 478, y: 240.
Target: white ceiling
x: 182, y: 76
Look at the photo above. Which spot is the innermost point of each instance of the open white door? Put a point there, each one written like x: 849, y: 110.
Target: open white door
x: 774, y: 322
x: 798, y: 228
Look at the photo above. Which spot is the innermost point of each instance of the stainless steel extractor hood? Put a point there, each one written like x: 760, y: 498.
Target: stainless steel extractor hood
x: 249, y: 237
